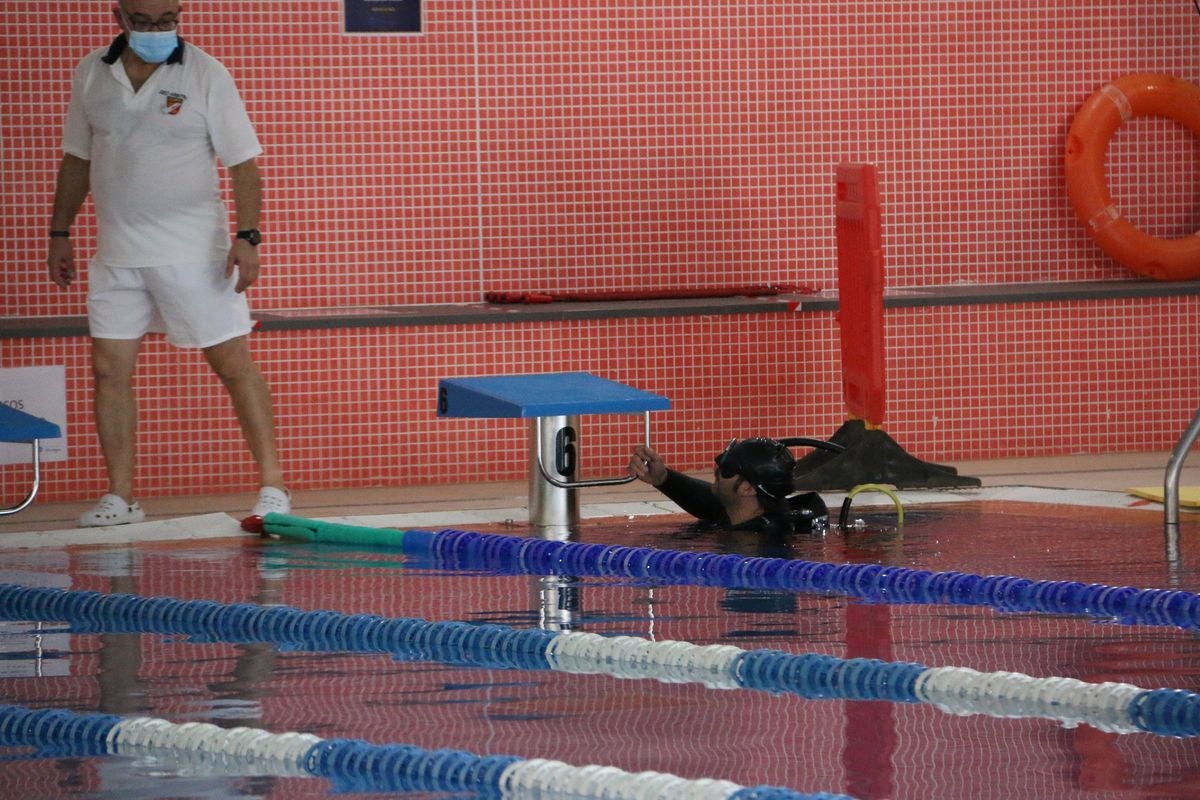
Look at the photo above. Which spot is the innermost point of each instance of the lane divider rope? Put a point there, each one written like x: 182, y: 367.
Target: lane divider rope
x: 1109, y: 706
x: 353, y: 765
x: 455, y: 549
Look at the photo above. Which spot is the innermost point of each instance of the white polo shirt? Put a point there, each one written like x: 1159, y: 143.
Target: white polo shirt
x: 153, y: 155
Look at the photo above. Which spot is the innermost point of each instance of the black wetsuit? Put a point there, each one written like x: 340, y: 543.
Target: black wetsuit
x: 696, y: 498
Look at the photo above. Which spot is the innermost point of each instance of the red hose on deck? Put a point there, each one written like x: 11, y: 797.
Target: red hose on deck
x: 609, y: 295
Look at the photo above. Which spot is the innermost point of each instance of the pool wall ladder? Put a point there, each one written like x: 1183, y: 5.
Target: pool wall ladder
x: 1174, y: 468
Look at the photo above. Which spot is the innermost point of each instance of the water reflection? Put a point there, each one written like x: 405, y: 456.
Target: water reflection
x: 866, y: 749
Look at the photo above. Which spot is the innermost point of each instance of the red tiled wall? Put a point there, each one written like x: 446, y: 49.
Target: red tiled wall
x: 642, y: 145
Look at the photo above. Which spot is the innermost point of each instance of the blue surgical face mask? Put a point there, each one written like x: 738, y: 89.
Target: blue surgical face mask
x: 153, y: 47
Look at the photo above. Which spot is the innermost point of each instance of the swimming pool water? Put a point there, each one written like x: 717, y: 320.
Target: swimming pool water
x: 867, y: 749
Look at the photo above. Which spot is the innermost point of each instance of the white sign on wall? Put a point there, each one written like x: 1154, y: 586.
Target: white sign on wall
x: 42, y: 392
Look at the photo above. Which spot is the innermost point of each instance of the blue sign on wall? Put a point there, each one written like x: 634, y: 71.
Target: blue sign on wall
x: 383, y: 16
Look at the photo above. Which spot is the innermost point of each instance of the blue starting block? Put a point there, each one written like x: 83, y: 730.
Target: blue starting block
x: 17, y: 426
x: 553, y: 402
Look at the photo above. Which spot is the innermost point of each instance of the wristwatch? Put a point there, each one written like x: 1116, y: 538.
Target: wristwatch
x: 251, y: 235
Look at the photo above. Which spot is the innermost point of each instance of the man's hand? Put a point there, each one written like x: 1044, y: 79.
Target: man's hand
x: 243, y: 257
x: 647, y: 466
x: 60, y: 262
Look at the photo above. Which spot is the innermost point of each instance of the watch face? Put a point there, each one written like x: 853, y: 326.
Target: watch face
x: 252, y: 236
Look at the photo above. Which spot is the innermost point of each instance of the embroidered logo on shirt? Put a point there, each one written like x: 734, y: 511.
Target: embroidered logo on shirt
x: 173, y: 103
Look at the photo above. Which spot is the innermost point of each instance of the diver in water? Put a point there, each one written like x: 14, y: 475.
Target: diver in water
x: 751, y: 488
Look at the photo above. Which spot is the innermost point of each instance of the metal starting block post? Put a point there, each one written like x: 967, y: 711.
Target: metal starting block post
x: 18, y: 426
x: 553, y: 402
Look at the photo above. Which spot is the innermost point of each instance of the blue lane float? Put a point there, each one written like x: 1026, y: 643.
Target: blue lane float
x: 353, y: 765
x: 455, y: 549
x: 1116, y: 707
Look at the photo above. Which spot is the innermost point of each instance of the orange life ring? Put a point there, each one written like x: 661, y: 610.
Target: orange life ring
x: 1144, y: 94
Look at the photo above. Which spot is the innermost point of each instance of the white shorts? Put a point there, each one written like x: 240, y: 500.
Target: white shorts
x: 194, y: 304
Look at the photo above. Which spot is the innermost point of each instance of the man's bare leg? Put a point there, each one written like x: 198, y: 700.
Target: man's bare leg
x: 251, y: 398
x: 115, y: 409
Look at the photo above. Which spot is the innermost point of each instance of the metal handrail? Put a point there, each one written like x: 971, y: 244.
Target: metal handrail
x: 37, y: 481
x: 593, y: 481
x: 1175, y: 467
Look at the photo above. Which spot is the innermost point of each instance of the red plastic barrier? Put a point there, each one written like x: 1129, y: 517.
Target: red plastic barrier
x: 860, y: 291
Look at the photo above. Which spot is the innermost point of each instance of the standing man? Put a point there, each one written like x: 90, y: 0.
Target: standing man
x: 149, y: 116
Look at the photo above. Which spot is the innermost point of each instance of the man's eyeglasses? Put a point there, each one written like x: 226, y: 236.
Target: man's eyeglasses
x: 141, y: 24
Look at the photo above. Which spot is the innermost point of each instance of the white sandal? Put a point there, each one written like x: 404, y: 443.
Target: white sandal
x: 272, y: 501
x: 112, y: 510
